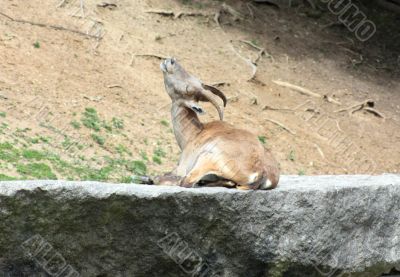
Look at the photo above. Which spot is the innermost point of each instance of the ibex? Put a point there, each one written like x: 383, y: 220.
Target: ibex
x: 214, y: 153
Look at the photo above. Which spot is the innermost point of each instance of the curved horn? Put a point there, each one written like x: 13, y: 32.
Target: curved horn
x: 216, y: 92
x: 211, y: 98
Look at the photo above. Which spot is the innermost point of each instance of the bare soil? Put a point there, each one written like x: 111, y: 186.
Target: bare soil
x: 49, y: 76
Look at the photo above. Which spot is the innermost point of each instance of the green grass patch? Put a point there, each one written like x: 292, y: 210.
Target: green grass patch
x: 4, y: 177
x: 3, y: 114
x: 30, y: 154
x: 67, y: 143
x: 137, y: 167
x: 44, y: 139
x: 36, y: 170
x: 125, y: 180
x: 91, y: 120
x: 121, y: 149
x: 157, y: 159
x: 144, y: 155
x: 34, y: 140
x: 98, y: 139
x: 292, y: 156
x: 262, y: 139
x: 8, y: 153
x: 36, y: 44
x: 107, y: 126
x: 160, y: 152
x: 75, y: 124
x: 117, y: 123
x: 164, y: 123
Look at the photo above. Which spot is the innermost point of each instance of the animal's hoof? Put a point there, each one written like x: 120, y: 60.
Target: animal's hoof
x: 144, y: 180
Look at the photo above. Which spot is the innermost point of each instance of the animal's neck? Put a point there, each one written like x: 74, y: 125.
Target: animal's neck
x: 186, y: 124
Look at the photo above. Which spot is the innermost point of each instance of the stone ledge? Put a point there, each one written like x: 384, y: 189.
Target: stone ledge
x: 310, y: 225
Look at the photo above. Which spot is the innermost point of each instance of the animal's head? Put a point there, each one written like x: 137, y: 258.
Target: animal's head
x: 187, y: 90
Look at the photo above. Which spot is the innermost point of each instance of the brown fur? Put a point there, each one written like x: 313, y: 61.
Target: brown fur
x: 214, y: 153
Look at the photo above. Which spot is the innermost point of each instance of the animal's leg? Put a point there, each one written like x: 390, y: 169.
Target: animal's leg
x: 168, y: 179
x: 201, y: 173
x: 271, y: 170
x: 218, y: 183
x: 202, y: 168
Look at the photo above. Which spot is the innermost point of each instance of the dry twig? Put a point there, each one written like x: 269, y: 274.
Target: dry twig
x: 261, y: 51
x: 269, y: 2
x: 82, y: 6
x: 358, y: 106
x: 229, y: 10
x: 281, y: 125
x: 62, y: 2
x: 160, y: 57
x: 219, y: 84
x: 266, y: 107
x: 178, y: 14
x: 95, y: 99
x: 114, y: 86
x: 319, y: 150
x: 250, y: 8
x: 49, y: 26
x: 374, y: 111
x: 248, y: 61
x: 306, y: 91
x: 367, y: 105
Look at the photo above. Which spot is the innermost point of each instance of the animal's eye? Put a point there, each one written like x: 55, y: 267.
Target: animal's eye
x: 172, y: 61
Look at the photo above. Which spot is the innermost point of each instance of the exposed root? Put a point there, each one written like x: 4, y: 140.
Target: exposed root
x: 250, y: 8
x: 366, y: 105
x: 157, y: 56
x: 114, y: 86
x: 312, y: 4
x: 320, y: 151
x: 62, y: 3
x: 54, y: 27
x: 220, y: 84
x: 234, y: 13
x: 306, y: 91
x: 281, y: 125
x: 374, y: 111
x: 249, y: 62
x: 225, y: 8
x: 338, y: 126
x: 332, y: 24
x: 217, y: 17
x: 269, y: 2
x: 322, y: 154
x: 261, y: 51
x: 110, y: 6
x: 177, y: 15
x: 95, y: 99
x: 82, y: 6
x: 266, y: 107
x: 358, y: 106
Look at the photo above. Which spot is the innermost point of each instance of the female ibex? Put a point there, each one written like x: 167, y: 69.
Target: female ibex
x: 214, y: 153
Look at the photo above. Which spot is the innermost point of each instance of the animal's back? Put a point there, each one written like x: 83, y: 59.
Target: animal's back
x: 230, y: 153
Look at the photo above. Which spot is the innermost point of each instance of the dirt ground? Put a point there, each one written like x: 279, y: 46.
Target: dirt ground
x: 98, y: 108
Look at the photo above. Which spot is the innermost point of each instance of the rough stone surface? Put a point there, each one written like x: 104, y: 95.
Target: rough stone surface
x: 309, y: 226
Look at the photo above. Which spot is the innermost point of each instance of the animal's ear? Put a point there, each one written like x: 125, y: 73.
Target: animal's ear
x: 197, y: 109
x: 173, y: 60
x: 216, y: 92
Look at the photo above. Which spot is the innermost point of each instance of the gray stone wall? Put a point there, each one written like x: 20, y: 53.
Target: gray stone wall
x: 309, y: 226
